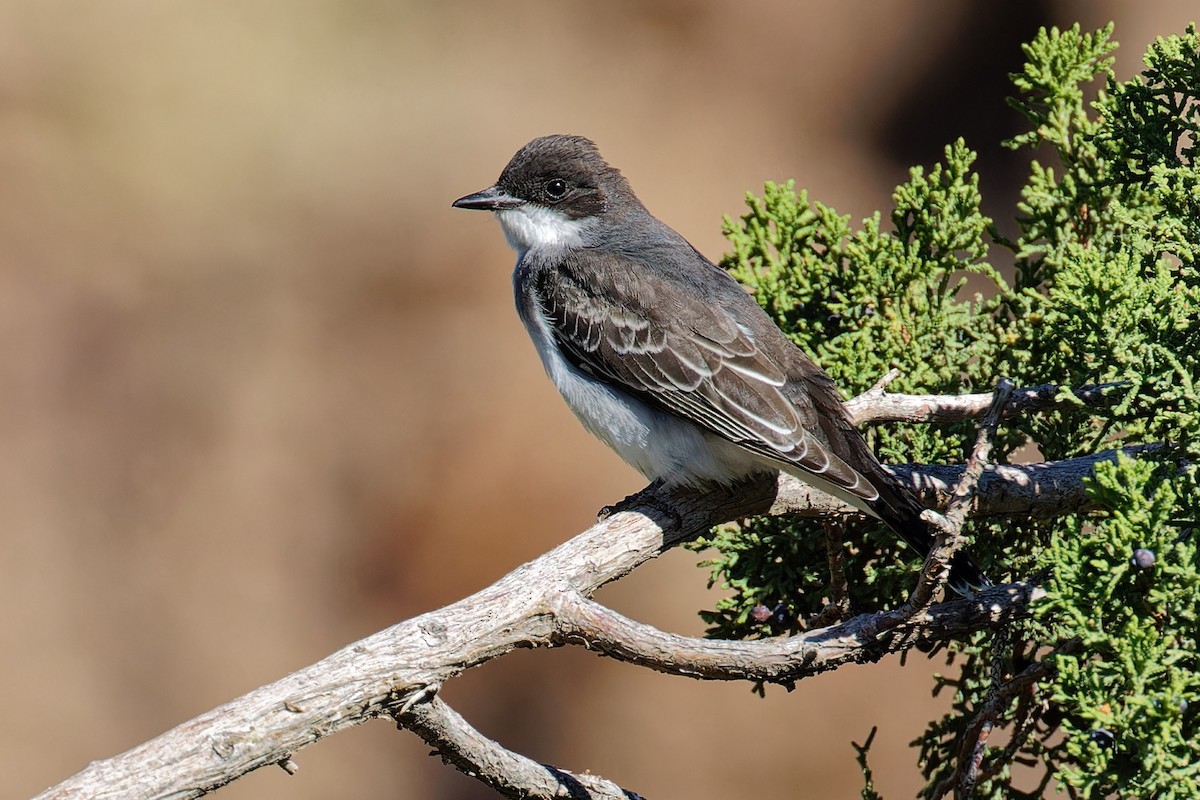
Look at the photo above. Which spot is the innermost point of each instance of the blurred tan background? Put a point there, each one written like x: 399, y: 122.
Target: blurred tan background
x: 262, y: 391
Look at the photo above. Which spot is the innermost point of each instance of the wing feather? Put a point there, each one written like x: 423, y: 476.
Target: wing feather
x: 695, y: 360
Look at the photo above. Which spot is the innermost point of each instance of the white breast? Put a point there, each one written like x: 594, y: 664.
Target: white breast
x: 533, y: 227
x: 656, y: 444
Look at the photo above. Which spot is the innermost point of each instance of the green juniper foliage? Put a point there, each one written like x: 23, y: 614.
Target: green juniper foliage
x: 1105, y: 288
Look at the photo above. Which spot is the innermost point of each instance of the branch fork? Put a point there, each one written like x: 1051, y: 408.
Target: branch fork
x: 399, y: 671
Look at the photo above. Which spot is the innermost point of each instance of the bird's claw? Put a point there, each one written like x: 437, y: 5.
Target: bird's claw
x: 647, y: 497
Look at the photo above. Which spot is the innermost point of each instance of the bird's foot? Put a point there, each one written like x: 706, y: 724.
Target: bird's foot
x: 646, y: 498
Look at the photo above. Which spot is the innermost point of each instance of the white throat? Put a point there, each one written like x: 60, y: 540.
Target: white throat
x: 533, y: 227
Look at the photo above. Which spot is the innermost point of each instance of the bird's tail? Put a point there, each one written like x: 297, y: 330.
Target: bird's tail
x: 898, y: 508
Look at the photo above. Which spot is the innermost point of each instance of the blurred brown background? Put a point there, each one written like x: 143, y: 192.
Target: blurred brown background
x: 262, y: 391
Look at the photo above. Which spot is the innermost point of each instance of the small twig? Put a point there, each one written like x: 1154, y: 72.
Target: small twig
x: 956, y: 513
x: 948, y: 527
x: 967, y: 782
x: 420, y: 695
x: 878, y: 387
x: 936, y: 569
x: 974, y: 744
x: 511, y: 774
x: 860, y: 755
x: 968, y: 770
x: 1026, y: 720
x: 839, y: 588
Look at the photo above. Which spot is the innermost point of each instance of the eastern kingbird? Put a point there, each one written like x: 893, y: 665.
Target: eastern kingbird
x: 663, y: 356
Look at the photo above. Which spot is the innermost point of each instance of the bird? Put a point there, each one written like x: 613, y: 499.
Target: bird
x: 666, y: 358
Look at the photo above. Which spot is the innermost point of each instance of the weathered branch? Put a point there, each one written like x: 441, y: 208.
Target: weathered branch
x: 781, y: 660
x: 366, y: 679
x: 973, y: 745
x: 543, y: 603
x: 511, y: 774
x: 878, y: 405
x: 1050, y: 489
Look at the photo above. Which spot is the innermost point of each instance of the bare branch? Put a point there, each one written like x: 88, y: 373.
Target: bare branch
x: 372, y: 677
x: 511, y: 774
x: 974, y: 744
x: 968, y: 770
x: 959, y: 503
x: 839, y: 589
x: 878, y: 388
x: 361, y: 681
x: 948, y: 539
x: 1027, y: 714
x: 877, y: 405
x: 782, y: 660
x: 1049, y: 489
x: 543, y: 603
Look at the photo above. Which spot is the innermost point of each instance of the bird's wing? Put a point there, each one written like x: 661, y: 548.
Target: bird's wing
x: 679, y: 347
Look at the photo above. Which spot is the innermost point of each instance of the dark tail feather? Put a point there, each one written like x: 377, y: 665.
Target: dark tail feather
x: 965, y: 578
x: 900, y: 511
x: 896, y: 504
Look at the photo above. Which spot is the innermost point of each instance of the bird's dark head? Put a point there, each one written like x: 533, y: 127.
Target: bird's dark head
x: 552, y: 191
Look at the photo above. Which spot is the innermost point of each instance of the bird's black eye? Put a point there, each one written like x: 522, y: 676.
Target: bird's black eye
x: 556, y: 188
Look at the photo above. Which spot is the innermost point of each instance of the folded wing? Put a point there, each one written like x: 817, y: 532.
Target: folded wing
x: 632, y: 328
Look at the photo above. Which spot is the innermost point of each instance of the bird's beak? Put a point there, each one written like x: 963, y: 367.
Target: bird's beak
x: 490, y: 199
